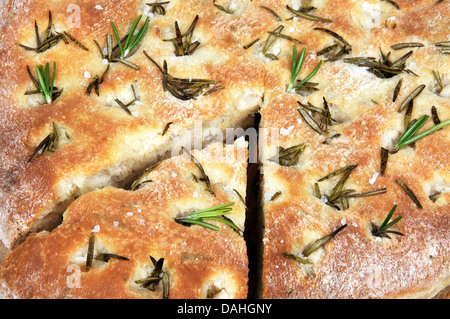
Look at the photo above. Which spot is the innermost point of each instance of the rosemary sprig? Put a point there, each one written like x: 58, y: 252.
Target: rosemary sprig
x: 136, y: 98
x: 289, y: 156
x: 183, y: 42
x: 409, y: 192
x: 132, y: 40
x: 323, y: 116
x: 156, y: 276
x: 383, y: 68
x: 313, y: 247
x: 143, y: 178
x: 185, y: 89
x: 48, y: 144
x: 338, y: 49
x: 205, y: 177
x: 102, y: 256
x: 296, y: 66
x: 44, y: 83
x: 443, y: 47
x: 410, y: 136
x: 50, y: 38
x: 213, y: 213
x: 384, y: 227
x: 273, y: 35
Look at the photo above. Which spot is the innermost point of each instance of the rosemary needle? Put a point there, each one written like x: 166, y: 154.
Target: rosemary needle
x: 296, y: 66
x: 44, y: 85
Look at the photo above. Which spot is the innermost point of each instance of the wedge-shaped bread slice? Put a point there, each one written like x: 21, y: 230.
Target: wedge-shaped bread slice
x: 132, y: 233
x: 113, y: 118
x: 323, y: 234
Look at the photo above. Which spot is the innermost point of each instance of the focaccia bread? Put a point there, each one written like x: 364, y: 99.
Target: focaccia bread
x: 320, y: 236
x: 335, y: 84
x: 139, y: 226
x: 133, y: 121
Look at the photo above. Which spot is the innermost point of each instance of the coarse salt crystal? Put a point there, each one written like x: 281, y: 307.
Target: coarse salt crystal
x: 174, y: 174
x: 129, y: 214
x: 96, y: 229
x: 374, y: 178
x: 87, y: 75
x: 115, y: 223
x: 98, y: 7
x: 195, y: 194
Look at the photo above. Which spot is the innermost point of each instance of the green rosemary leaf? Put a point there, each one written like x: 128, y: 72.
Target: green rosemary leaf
x: 409, y: 192
x: 296, y: 66
x: 384, y: 228
x: 297, y: 259
x: 307, y: 16
x: 410, y: 135
x: 321, y: 241
x: 213, y: 213
x: 43, y: 81
x: 335, y: 192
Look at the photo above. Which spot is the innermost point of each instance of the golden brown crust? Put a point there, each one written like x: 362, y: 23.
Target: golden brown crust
x: 138, y: 224
x: 355, y: 264
x: 106, y: 146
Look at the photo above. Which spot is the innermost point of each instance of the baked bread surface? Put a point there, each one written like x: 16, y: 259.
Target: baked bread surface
x: 105, y: 145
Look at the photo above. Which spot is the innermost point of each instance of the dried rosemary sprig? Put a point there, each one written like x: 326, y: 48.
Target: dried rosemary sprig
x: 204, y: 177
x: 273, y: 35
x: 136, y: 98
x: 410, y: 136
x: 320, y: 120
x: 297, y: 63
x: 158, y: 7
x: 272, y: 12
x: 183, y: 42
x: 48, y: 144
x: 404, y: 45
x: 141, y: 180
x: 50, y: 38
x: 338, y: 197
x: 288, y: 156
x: 383, y: 68
x: 156, y: 276
x: 102, y: 256
x: 302, y: 13
x: 393, y: 3
x: 313, y: 247
x: 383, y: 229
x: 338, y: 49
x: 43, y: 83
x: 409, y: 192
x: 213, y: 213
x: 95, y: 83
x: 185, y: 89
x: 443, y: 47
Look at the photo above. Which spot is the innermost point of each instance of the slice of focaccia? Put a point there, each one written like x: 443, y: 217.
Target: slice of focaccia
x: 145, y: 242
x: 349, y: 212
x: 112, y: 111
